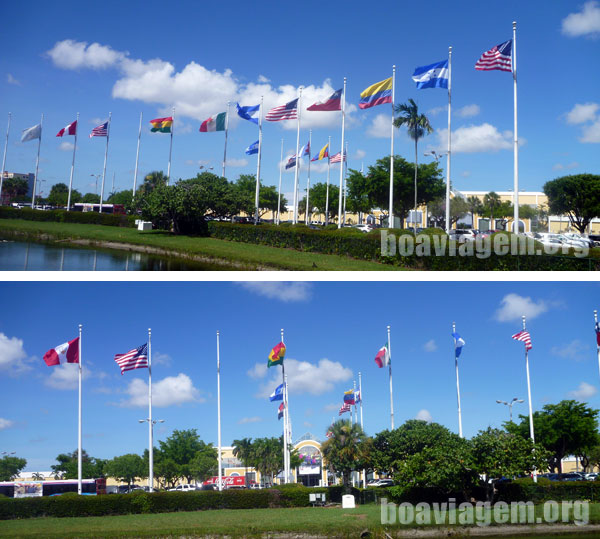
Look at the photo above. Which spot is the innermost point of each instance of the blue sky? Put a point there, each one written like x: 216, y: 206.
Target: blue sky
x: 135, y: 57
x: 332, y: 330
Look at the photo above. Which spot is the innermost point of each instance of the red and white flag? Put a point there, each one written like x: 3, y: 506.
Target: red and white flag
x: 345, y: 408
x: 383, y: 356
x: 523, y: 336
x: 63, y: 353
x: 70, y: 129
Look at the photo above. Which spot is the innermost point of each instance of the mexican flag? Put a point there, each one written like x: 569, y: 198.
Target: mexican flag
x: 214, y: 123
x: 383, y: 356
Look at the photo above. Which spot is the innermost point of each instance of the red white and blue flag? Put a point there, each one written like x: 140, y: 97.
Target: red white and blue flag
x: 337, y: 158
x: 100, y: 131
x: 345, y: 408
x: 598, y: 333
x: 289, y: 111
x: 524, y: 337
x: 134, y: 359
x: 280, y: 411
x: 334, y: 102
x: 498, y: 57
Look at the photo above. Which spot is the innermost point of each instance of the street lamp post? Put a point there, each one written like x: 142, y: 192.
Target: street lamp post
x: 96, y: 176
x: 151, y: 450
x: 6, y: 453
x: 510, y: 404
x: 437, y: 156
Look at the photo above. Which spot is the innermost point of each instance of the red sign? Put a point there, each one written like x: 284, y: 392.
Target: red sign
x: 228, y: 481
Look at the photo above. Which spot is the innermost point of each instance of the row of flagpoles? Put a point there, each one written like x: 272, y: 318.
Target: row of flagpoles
x: 438, y: 75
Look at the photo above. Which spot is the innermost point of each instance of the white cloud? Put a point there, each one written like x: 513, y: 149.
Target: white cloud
x: 13, y: 357
x: 424, y: 415
x: 66, y: 376
x: 307, y: 424
x: 245, y: 420
x: 305, y: 377
x: 11, y: 80
x: 583, y: 392
x: 513, y: 307
x: 585, y: 22
x: 380, y: 126
x: 582, y: 113
x: 158, y: 358
x: 258, y: 371
x: 66, y: 146
x: 331, y: 407
x: 430, y: 346
x: 591, y: 133
x: 170, y: 391
x: 236, y: 162
x: 465, y: 173
x: 359, y: 154
x: 294, y: 291
x: 476, y: 139
x: 5, y: 423
x: 262, y: 79
x: 575, y: 350
x: 467, y: 111
x: 69, y: 54
x: 436, y: 110
x: 560, y: 166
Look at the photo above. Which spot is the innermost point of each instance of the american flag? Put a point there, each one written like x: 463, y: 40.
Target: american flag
x: 345, y: 408
x: 523, y: 336
x: 329, y: 434
x: 498, y: 57
x: 337, y: 158
x: 134, y: 359
x: 598, y: 333
x: 289, y: 111
x: 100, y: 131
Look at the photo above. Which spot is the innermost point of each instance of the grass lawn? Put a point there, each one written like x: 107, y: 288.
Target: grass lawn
x: 249, y: 256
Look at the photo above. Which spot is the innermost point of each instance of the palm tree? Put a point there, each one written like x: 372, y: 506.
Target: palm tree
x: 151, y: 181
x: 418, y: 126
x: 491, y: 201
x: 37, y: 476
x: 475, y: 206
x: 242, y: 449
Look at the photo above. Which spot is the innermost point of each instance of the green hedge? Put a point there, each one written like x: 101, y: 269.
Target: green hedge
x: 527, y: 490
x: 62, y: 216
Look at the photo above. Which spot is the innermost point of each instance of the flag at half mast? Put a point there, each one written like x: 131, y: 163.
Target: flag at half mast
x: 276, y: 356
x: 162, y: 125
x: 345, y: 408
x: 134, y: 359
x: 524, y: 337
x: 383, y: 356
x: 280, y: 411
x: 459, y: 342
x: 598, y: 333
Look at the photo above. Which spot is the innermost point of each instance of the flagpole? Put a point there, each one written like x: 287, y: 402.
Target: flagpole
x: 342, y: 155
x: 531, y: 432
x: 279, y: 195
x: 171, y: 147
x: 137, y: 156
x: 4, y: 158
x: 37, y: 163
x: 307, y: 216
x: 285, y: 477
x: 516, y: 139
x: 73, y: 163
x: 344, y: 166
x: 391, y: 208
x: 150, y: 424
x: 105, y: 157
x: 286, y: 418
x: 226, y: 131
x: 327, y: 190
x: 79, y: 421
x: 257, y: 193
x: 390, y: 366
x: 219, y: 410
x: 297, y: 160
x: 449, y: 143
x: 597, y: 343
x: 364, y: 472
x: 460, y: 432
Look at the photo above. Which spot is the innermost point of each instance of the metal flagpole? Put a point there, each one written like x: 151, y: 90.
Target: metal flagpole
x: 516, y: 139
x: 391, y: 208
x: 364, y: 472
x: 344, y: 166
x: 150, y: 424
x: 4, y: 158
x: 112, y: 187
x: 219, y: 412
x: 531, y: 432
x: 279, y: 195
x: 449, y: 143
x: 285, y: 477
x: 105, y: 157
x: 460, y: 433
x: 597, y: 343
x: 297, y: 160
x: 137, y: 156
x: 79, y: 475
x: 257, y: 193
x: 37, y: 163
x: 390, y: 366
x: 73, y: 163
x: 307, y: 216
x: 286, y: 412
x: 226, y: 131
x: 327, y: 190
x: 342, y: 154
x: 171, y: 147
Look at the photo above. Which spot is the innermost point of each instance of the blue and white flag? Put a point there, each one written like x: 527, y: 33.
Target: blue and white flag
x: 432, y: 76
x: 277, y: 395
x: 253, y: 148
x: 248, y: 112
x: 458, y: 344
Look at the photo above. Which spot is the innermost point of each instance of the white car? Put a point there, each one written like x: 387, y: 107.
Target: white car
x: 461, y: 235
x: 363, y: 228
x: 183, y: 488
x: 577, y: 241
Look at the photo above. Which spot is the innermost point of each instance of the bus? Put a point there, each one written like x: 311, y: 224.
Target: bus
x: 29, y: 489
x: 114, y: 209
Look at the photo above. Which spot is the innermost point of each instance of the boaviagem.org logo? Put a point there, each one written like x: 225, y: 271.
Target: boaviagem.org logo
x: 498, y: 244
x: 485, y: 513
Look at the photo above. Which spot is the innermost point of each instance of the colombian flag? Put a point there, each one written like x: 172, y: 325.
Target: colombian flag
x: 276, y: 355
x: 377, y: 94
x: 162, y: 124
x: 322, y: 154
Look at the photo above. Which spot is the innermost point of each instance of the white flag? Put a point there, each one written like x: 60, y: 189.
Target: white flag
x: 32, y: 133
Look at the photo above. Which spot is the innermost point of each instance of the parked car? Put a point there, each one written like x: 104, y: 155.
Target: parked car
x: 461, y: 235
x: 572, y: 240
x: 595, y: 238
x: 183, y: 488
x: 363, y: 228
x: 381, y: 483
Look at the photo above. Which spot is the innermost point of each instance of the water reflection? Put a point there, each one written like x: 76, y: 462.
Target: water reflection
x: 17, y: 256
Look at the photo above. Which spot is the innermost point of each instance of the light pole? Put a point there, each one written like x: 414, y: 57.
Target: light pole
x: 510, y: 404
x: 151, y: 450
x: 6, y: 453
x: 96, y: 176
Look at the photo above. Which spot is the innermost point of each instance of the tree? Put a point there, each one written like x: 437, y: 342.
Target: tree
x: 417, y: 125
x: 242, y: 449
x: 59, y: 195
x: 475, y: 207
x: 245, y: 187
x: 490, y: 202
x: 37, y: 476
x: 357, y: 198
x: 318, y: 199
x: 220, y: 197
x: 181, y: 448
x: 344, y: 451
x: 566, y: 428
x: 10, y: 467
x: 91, y: 198
x: 91, y: 468
x: 152, y: 180
x: 205, y: 463
x: 14, y: 188
x: 124, y: 197
x: 127, y: 468
x: 267, y: 456
x: 459, y: 207
x: 578, y: 196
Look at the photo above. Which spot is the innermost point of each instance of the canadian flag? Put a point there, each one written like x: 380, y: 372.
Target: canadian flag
x: 70, y: 129
x: 63, y: 353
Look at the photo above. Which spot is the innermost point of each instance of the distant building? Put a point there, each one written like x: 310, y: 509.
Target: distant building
x: 29, y: 176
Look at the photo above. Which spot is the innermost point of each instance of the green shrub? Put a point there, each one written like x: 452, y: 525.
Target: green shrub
x: 62, y: 216
x: 527, y: 490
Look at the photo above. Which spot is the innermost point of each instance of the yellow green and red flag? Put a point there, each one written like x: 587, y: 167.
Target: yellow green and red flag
x: 162, y: 124
x: 276, y: 356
